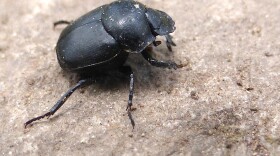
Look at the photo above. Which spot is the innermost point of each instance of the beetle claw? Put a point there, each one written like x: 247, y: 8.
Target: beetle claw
x: 37, y: 118
x: 130, y: 117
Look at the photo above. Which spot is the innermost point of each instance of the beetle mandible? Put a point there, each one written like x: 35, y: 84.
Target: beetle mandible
x: 101, y: 40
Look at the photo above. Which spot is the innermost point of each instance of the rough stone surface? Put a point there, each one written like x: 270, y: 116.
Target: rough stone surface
x: 225, y: 101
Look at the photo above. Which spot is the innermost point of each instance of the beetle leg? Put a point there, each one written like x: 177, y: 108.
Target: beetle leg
x: 128, y: 108
x: 169, y: 42
x: 61, y: 22
x: 128, y: 69
x: 158, y: 63
x: 60, y: 102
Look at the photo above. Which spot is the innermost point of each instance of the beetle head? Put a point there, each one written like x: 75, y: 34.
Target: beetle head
x: 160, y: 22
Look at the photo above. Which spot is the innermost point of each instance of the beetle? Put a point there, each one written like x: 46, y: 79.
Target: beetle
x: 101, y: 40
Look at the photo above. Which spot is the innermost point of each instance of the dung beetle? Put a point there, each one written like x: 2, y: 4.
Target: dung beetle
x: 101, y: 40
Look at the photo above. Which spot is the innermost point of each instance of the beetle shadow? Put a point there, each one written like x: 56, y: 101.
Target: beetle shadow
x: 146, y: 76
x: 153, y: 78
x: 112, y: 81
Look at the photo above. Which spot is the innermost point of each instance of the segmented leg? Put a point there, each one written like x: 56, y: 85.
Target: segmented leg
x: 163, y: 64
x: 61, y: 22
x: 60, y: 102
x: 127, y: 69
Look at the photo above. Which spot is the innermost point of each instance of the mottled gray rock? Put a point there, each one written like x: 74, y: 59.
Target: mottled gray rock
x: 226, y: 100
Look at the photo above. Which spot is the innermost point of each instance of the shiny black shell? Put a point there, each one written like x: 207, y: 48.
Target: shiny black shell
x: 102, y: 39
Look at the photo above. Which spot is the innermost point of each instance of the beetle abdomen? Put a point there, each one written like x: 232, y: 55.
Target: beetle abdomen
x: 89, y: 17
x: 86, y: 46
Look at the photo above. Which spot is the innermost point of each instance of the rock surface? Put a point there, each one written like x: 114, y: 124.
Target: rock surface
x: 225, y: 101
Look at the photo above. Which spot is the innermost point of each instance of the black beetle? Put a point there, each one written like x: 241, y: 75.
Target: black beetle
x: 101, y: 40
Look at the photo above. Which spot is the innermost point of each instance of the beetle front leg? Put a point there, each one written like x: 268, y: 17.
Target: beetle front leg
x: 157, y: 63
x: 169, y: 42
x: 127, y: 69
x: 60, y: 102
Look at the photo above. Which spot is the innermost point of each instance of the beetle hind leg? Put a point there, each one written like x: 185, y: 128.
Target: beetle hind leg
x: 60, y: 22
x: 60, y: 102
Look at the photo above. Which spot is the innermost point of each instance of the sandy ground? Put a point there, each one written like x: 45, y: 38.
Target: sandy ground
x: 226, y: 100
